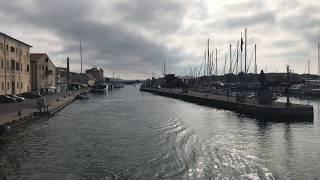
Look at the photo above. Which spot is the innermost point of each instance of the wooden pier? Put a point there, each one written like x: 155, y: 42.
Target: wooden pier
x: 275, y: 111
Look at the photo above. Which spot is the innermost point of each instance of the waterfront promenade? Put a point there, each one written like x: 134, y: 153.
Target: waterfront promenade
x: 9, y: 113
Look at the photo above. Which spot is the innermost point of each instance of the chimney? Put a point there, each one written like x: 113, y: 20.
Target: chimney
x: 68, y: 72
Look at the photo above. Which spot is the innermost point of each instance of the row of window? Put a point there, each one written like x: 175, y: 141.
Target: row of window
x: 13, y: 49
x: 14, y: 65
x: 42, y: 67
x: 8, y: 85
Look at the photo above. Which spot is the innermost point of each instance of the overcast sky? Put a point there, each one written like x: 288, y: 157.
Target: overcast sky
x: 132, y: 37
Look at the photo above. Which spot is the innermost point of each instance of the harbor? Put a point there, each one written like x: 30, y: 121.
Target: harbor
x: 159, y: 90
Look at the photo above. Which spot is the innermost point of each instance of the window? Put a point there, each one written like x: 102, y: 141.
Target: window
x: 21, y: 85
x: 27, y: 53
x: 28, y: 68
x: 12, y: 49
x: 7, y: 47
x: 39, y: 67
x: 42, y: 67
x: 1, y: 45
x: 8, y: 87
x: 2, y: 85
x: 1, y: 63
x: 47, y: 59
x: 17, y: 66
x: 12, y: 64
x: 18, y: 85
x: 46, y: 68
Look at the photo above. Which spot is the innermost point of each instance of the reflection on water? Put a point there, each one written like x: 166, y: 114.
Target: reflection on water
x: 128, y: 134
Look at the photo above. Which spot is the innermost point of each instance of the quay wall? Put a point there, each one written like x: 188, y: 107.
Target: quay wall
x: 16, y: 121
x: 267, y: 112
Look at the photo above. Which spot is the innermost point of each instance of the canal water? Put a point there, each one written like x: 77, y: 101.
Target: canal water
x: 128, y: 134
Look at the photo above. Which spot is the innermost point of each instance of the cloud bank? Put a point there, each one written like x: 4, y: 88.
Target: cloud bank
x: 131, y: 38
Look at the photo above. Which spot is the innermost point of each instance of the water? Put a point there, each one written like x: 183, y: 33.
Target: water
x: 129, y: 134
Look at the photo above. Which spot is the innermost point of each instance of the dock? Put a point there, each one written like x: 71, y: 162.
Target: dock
x: 275, y: 111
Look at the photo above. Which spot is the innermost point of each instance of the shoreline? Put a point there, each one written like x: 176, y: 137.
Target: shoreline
x: 31, y: 114
x: 276, y: 111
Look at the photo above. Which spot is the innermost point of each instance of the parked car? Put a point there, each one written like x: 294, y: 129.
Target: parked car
x: 30, y: 95
x: 7, y: 99
x: 18, y: 98
x: 36, y: 92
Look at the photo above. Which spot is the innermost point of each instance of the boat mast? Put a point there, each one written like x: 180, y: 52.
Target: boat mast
x: 237, y: 61
x: 81, y: 57
x: 255, y: 59
x: 245, y: 51
x: 208, y: 57
x: 241, y: 43
x: 230, y: 63
x: 164, y: 67
x: 308, y: 67
x: 216, y: 62
x: 319, y: 60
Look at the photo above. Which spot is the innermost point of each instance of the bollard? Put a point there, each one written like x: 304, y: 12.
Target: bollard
x: 19, y: 113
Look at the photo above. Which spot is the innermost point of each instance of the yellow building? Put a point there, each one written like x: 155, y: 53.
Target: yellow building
x: 14, y: 65
x: 43, y: 73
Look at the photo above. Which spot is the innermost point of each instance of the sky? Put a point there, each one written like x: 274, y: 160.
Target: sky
x: 133, y: 37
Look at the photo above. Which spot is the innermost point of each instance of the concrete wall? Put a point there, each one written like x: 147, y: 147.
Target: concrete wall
x: 14, y: 66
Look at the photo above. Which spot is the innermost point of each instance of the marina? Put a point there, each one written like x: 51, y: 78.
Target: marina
x: 172, y: 90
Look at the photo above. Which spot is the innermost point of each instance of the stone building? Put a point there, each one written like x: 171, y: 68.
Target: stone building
x: 82, y: 79
x: 96, y: 73
x: 43, y: 73
x: 62, y: 79
x: 14, y: 65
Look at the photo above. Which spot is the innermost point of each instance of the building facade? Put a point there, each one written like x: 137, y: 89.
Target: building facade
x: 82, y: 79
x: 14, y: 65
x: 96, y: 73
x: 62, y: 79
x: 43, y: 73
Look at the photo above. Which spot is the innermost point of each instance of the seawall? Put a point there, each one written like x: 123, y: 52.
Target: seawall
x: 275, y: 111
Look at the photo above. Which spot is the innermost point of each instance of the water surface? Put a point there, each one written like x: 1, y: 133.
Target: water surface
x: 128, y: 134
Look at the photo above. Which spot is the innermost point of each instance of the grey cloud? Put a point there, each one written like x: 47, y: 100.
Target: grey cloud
x: 248, y: 20
x: 163, y: 16
x: 111, y: 45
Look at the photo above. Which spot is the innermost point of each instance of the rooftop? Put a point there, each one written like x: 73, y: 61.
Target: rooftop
x: 36, y: 56
x: 7, y: 36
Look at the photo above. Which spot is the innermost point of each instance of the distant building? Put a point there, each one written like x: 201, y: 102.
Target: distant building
x: 62, y: 79
x: 96, y: 73
x: 43, y: 73
x: 82, y: 79
x: 14, y: 65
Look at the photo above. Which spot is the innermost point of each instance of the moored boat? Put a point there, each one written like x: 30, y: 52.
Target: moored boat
x: 99, y: 87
